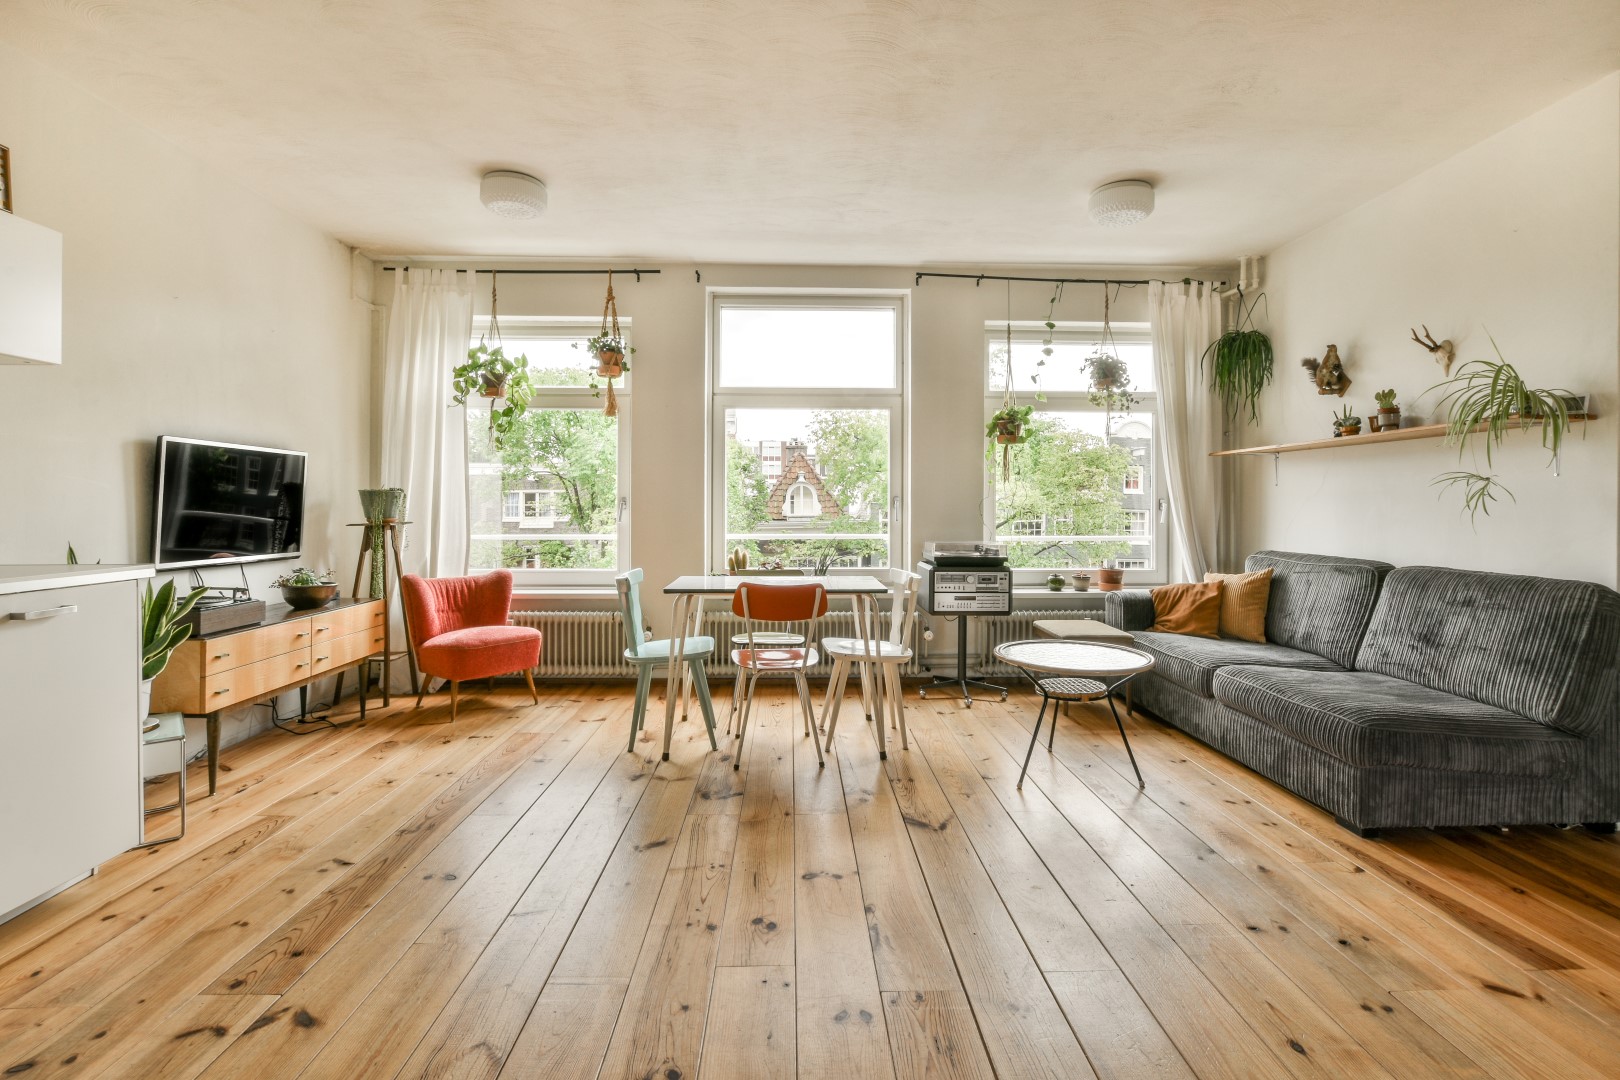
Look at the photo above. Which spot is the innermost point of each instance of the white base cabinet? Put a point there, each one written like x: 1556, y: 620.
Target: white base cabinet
x: 70, y: 774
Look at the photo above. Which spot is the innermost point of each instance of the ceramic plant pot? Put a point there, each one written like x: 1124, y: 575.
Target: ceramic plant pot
x: 494, y: 386
x: 1110, y: 578
x: 609, y: 364
x: 1389, y: 419
x: 307, y: 597
x: 1082, y: 583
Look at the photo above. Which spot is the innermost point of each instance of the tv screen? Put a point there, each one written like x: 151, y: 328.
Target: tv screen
x: 221, y: 502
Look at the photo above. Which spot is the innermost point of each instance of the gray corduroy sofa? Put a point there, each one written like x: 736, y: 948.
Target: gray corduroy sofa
x: 1417, y: 696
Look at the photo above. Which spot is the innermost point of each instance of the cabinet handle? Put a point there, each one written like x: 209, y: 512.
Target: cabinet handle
x: 297, y: 666
x: 226, y: 690
x: 43, y: 613
x: 322, y: 629
x: 297, y: 636
x: 222, y: 656
x: 318, y: 659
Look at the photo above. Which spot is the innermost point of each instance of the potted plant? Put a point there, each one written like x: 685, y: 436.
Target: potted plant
x: 1110, y: 577
x: 490, y: 373
x: 1346, y: 423
x: 1055, y: 582
x: 1389, y: 410
x: 161, y: 633
x: 1007, y: 425
x: 1082, y: 581
x: 610, y: 351
x: 1240, y: 364
x: 304, y: 589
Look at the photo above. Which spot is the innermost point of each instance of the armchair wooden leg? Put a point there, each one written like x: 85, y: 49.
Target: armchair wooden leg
x: 528, y: 674
x: 425, y: 680
x: 454, y: 688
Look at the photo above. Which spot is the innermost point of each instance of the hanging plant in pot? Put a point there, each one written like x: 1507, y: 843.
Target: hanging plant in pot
x: 1240, y: 364
x: 1010, y: 425
x: 490, y: 373
x: 1109, y: 375
x: 609, y: 349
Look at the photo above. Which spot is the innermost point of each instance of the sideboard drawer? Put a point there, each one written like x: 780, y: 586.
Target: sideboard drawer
x: 346, y: 650
x: 254, y: 680
x: 327, y: 625
x: 250, y: 646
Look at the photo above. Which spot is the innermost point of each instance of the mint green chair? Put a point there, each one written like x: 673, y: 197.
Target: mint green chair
x: 649, y: 655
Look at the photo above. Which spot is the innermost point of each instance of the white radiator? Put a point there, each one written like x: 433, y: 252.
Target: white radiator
x: 590, y: 644
x: 1018, y: 626
x: 578, y: 644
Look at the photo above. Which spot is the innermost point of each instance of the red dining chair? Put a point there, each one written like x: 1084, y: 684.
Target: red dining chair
x: 798, y: 607
x: 458, y: 630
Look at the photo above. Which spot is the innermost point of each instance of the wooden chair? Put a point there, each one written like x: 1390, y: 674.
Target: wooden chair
x: 458, y: 630
x: 648, y: 655
x: 792, y: 606
x: 878, y: 661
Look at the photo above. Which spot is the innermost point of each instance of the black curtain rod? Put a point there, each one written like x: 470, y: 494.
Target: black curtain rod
x: 976, y: 278
x: 638, y: 273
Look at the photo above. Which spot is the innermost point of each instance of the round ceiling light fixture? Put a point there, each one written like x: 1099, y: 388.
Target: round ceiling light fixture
x: 513, y: 194
x: 1122, y: 203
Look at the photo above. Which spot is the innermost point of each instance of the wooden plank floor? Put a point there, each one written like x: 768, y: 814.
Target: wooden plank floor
x: 516, y: 896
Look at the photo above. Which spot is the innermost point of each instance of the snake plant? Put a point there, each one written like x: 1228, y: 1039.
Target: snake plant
x: 161, y: 628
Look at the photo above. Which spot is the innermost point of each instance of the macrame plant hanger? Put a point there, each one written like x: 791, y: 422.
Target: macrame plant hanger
x: 610, y: 313
x: 1009, y: 398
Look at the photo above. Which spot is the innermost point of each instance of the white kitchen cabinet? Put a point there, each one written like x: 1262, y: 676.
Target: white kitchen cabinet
x: 30, y: 292
x: 70, y: 774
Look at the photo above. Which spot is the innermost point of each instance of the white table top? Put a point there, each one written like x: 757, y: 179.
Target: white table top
x: 37, y: 577
x: 1076, y: 658
x: 725, y: 584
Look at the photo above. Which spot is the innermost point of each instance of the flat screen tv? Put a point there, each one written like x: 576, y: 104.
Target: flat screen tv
x: 226, y: 503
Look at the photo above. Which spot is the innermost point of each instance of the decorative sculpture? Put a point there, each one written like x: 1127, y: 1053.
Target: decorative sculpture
x: 1328, y: 373
x: 1442, y: 351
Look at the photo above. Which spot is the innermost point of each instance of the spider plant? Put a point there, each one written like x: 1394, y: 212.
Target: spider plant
x: 1479, y: 491
x: 1489, y: 397
x: 1239, y: 364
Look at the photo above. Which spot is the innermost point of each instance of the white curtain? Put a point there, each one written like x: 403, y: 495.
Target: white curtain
x: 424, y: 440
x: 1185, y: 318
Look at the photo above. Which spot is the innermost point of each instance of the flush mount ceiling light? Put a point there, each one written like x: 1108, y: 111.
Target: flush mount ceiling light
x: 1123, y: 203
x: 513, y: 194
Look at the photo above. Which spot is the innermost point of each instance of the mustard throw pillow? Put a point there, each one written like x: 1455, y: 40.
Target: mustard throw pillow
x: 1188, y: 609
x: 1243, y: 604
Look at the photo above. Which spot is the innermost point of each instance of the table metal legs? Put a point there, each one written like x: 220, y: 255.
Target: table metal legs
x: 1035, y: 736
x: 961, y: 678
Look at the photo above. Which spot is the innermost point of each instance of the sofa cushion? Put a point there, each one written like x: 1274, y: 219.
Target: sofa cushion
x: 1376, y: 720
x: 1542, y: 648
x: 1319, y: 603
x: 1188, y: 609
x: 1244, y: 598
x: 1191, y: 662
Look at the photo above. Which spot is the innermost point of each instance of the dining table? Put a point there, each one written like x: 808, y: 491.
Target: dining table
x: 691, y: 590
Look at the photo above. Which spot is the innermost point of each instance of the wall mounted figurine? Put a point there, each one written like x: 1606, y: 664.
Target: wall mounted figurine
x: 1442, y: 351
x: 1327, y: 373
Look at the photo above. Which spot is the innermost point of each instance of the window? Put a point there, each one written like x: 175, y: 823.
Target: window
x: 1080, y: 489
x: 547, y: 504
x: 808, y: 427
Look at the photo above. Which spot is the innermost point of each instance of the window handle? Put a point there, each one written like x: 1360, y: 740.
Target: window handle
x: 1164, y: 505
x: 624, y: 506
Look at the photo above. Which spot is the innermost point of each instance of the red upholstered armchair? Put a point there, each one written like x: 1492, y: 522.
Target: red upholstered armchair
x: 458, y: 631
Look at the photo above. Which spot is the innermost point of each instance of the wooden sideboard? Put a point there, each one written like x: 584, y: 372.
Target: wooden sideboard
x: 287, y: 650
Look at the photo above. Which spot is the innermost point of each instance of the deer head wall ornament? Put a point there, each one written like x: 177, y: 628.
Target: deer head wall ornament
x: 1327, y: 373
x: 1442, y: 351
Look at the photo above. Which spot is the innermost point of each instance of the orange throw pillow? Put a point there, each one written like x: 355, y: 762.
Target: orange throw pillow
x: 1243, y: 604
x: 1188, y: 609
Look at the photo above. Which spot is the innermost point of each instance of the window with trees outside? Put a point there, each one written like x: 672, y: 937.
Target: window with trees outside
x: 807, y: 426
x: 1082, y: 489
x: 546, y: 504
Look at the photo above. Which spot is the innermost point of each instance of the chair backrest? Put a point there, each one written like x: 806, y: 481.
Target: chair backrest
x: 903, y: 613
x: 758, y: 602
x: 435, y: 606
x: 629, y: 585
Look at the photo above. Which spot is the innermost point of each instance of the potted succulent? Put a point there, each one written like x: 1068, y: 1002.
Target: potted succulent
x: 1389, y: 410
x: 161, y: 633
x: 490, y: 373
x: 1110, y: 577
x: 1346, y: 423
x: 304, y: 589
x: 1082, y: 581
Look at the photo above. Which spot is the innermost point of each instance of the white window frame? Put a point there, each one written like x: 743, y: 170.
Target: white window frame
x: 1062, y: 401
x: 570, y: 328
x: 896, y: 400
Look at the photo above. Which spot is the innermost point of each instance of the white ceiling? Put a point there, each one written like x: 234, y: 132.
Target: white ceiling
x: 847, y: 131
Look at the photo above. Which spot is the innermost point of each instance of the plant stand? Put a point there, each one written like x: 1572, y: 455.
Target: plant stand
x: 389, y: 531
x: 961, y: 677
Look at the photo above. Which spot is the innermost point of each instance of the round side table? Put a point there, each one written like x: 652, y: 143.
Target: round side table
x: 1074, y: 671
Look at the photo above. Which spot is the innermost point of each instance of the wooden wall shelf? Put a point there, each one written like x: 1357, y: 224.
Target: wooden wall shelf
x: 1423, y: 431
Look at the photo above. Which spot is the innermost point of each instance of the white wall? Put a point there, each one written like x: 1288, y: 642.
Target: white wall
x: 668, y: 407
x: 1519, y: 235
x: 191, y: 307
